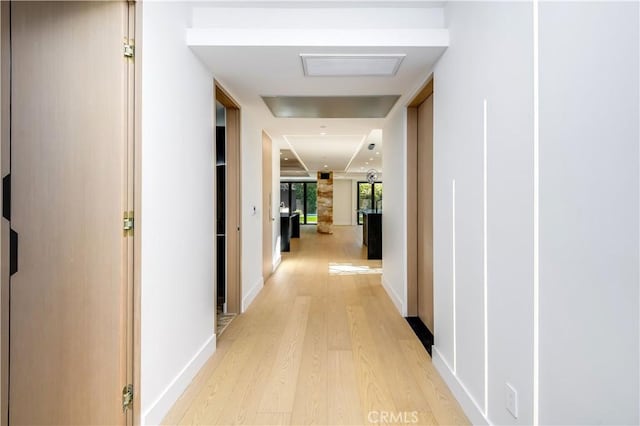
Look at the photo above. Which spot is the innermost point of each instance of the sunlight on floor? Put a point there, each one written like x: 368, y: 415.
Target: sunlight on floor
x: 351, y: 269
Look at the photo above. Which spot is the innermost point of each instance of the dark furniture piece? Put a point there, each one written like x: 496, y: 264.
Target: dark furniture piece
x: 289, y: 228
x: 372, y: 233
x: 295, y: 225
x: 285, y: 232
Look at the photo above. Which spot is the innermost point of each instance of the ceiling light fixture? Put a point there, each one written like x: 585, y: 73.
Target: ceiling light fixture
x: 351, y: 65
x: 323, y: 133
x: 285, y: 158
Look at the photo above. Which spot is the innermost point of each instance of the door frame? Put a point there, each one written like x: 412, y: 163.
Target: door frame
x: 134, y: 133
x: 412, y: 195
x: 233, y: 215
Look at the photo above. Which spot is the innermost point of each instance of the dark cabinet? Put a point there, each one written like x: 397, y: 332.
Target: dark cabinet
x: 289, y: 228
x: 372, y: 234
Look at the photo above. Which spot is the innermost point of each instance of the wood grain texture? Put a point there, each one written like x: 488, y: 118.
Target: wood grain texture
x: 71, y: 179
x: 137, y: 242
x: 423, y: 94
x: 411, y: 213
x: 425, y: 212
x: 233, y: 214
x: 318, y: 346
x: 344, y: 398
x: 5, y: 82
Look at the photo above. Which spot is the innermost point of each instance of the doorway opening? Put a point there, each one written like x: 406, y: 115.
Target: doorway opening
x: 227, y: 210
x: 420, y: 215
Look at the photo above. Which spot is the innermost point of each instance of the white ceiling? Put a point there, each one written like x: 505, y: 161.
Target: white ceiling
x: 327, y: 152
x: 249, y: 72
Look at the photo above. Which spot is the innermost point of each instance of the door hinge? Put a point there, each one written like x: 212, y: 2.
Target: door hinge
x: 127, y: 397
x: 127, y: 223
x: 128, y: 49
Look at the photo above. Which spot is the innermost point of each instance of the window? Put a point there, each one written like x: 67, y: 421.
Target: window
x: 300, y: 197
x: 369, y: 198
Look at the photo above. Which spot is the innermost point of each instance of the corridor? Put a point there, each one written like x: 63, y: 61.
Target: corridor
x: 321, y: 344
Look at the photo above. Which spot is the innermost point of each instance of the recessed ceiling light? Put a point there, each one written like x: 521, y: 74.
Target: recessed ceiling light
x: 366, y: 163
x: 377, y: 153
x: 331, y: 65
x: 371, y: 159
x: 323, y: 133
x: 326, y: 165
x: 285, y: 158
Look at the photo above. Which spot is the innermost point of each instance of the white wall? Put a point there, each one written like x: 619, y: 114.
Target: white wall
x: 589, y: 214
x: 303, y: 17
x: 251, y: 136
x: 394, y: 223
x: 490, y: 57
x: 275, y: 179
x: 177, y: 210
x: 354, y: 201
x: 588, y: 211
x: 342, y: 201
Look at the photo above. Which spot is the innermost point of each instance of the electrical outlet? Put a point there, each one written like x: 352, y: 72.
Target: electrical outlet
x: 511, y: 400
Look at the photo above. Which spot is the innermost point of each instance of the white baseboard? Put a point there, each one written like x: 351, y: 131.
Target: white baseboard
x: 459, y: 390
x: 397, y: 300
x: 161, y: 406
x: 277, y: 262
x: 251, y: 294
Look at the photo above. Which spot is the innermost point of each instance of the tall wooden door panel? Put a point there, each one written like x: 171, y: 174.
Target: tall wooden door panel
x: 425, y: 212
x: 69, y: 168
x: 233, y: 213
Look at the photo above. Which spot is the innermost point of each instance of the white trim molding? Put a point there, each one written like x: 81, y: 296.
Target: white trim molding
x: 276, y: 262
x: 469, y: 405
x: 161, y: 406
x: 251, y: 294
x: 397, y: 300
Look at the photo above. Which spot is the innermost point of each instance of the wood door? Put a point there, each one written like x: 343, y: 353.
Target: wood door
x: 70, y: 172
x: 425, y: 212
x: 233, y: 213
x: 267, y: 207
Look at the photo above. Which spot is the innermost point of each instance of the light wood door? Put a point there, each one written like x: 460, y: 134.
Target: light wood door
x: 233, y: 213
x: 267, y: 207
x: 70, y: 154
x: 425, y: 212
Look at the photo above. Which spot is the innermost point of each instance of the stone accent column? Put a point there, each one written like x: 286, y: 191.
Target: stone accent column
x: 325, y: 203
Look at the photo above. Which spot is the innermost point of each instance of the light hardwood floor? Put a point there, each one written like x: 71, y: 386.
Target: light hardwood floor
x: 321, y: 344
